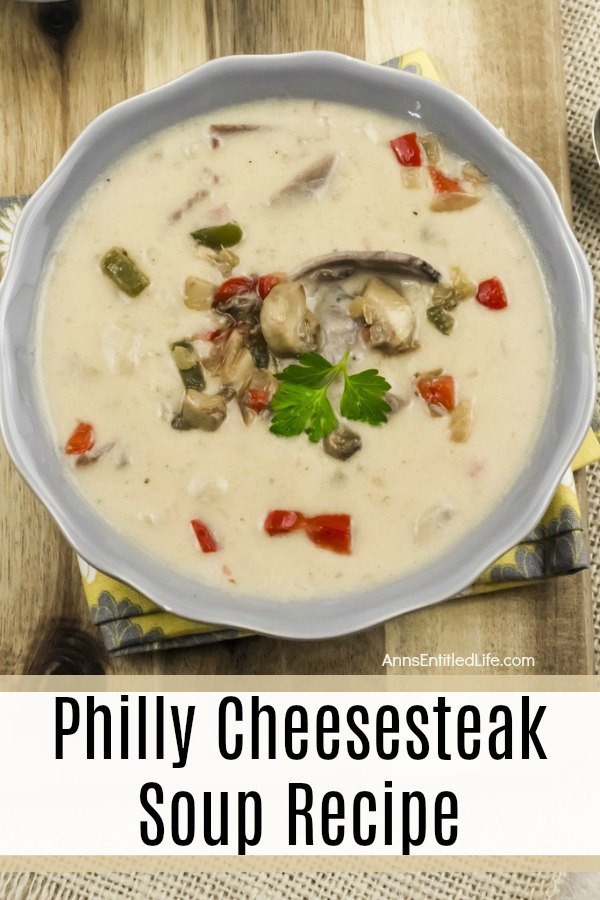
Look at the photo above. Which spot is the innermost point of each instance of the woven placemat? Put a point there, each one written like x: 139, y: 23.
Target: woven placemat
x: 581, y: 42
x: 245, y: 886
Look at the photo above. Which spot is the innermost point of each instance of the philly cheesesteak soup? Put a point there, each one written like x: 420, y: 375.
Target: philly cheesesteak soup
x: 294, y: 348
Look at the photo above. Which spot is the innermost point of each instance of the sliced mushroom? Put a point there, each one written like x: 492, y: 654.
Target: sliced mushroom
x: 237, y: 364
x: 337, y: 266
x: 199, y: 410
x: 288, y: 326
x: 189, y: 204
x: 218, y: 131
x: 235, y: 128
x: 310, y: 181
x: 339, y: 330
x: 342, y: 443
x: 390, y: 315
x: 86, y: 459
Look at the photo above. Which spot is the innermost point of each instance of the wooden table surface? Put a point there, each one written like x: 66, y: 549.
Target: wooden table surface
x: 62, y: 64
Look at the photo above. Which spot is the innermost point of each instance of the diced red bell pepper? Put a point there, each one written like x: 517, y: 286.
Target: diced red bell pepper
x: 333, y: 532
x: 407, y: 149
x: 257, y: 400
x: 81, y: 440
x: 265, y: 285
x: 438, y: 391
x: 443, y: 184
x: 282, y: 521
x: 205, y: 537
x: 491, y: 293
x: 233, y: 287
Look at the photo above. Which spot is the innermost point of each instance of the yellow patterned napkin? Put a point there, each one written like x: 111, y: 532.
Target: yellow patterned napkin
x: 130, y: 623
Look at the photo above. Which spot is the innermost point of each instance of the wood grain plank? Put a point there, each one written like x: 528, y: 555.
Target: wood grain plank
x: 38, y: 575
x: 267, y: 26
x: 51, y: 88
x: 180, y: 42
x: 30, y: 112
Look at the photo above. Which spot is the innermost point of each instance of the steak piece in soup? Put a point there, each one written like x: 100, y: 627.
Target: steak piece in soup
x: 294, y: 349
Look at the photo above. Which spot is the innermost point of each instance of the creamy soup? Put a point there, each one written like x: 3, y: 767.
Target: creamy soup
x: 184, y: 289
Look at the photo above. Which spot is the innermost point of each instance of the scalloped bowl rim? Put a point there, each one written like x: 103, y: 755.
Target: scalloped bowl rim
x: 319, y: 75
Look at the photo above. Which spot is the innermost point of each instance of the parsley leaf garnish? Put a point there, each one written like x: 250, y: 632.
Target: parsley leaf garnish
x: 314, y: 370
x: 362, y: 399
x: 301, y: 403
